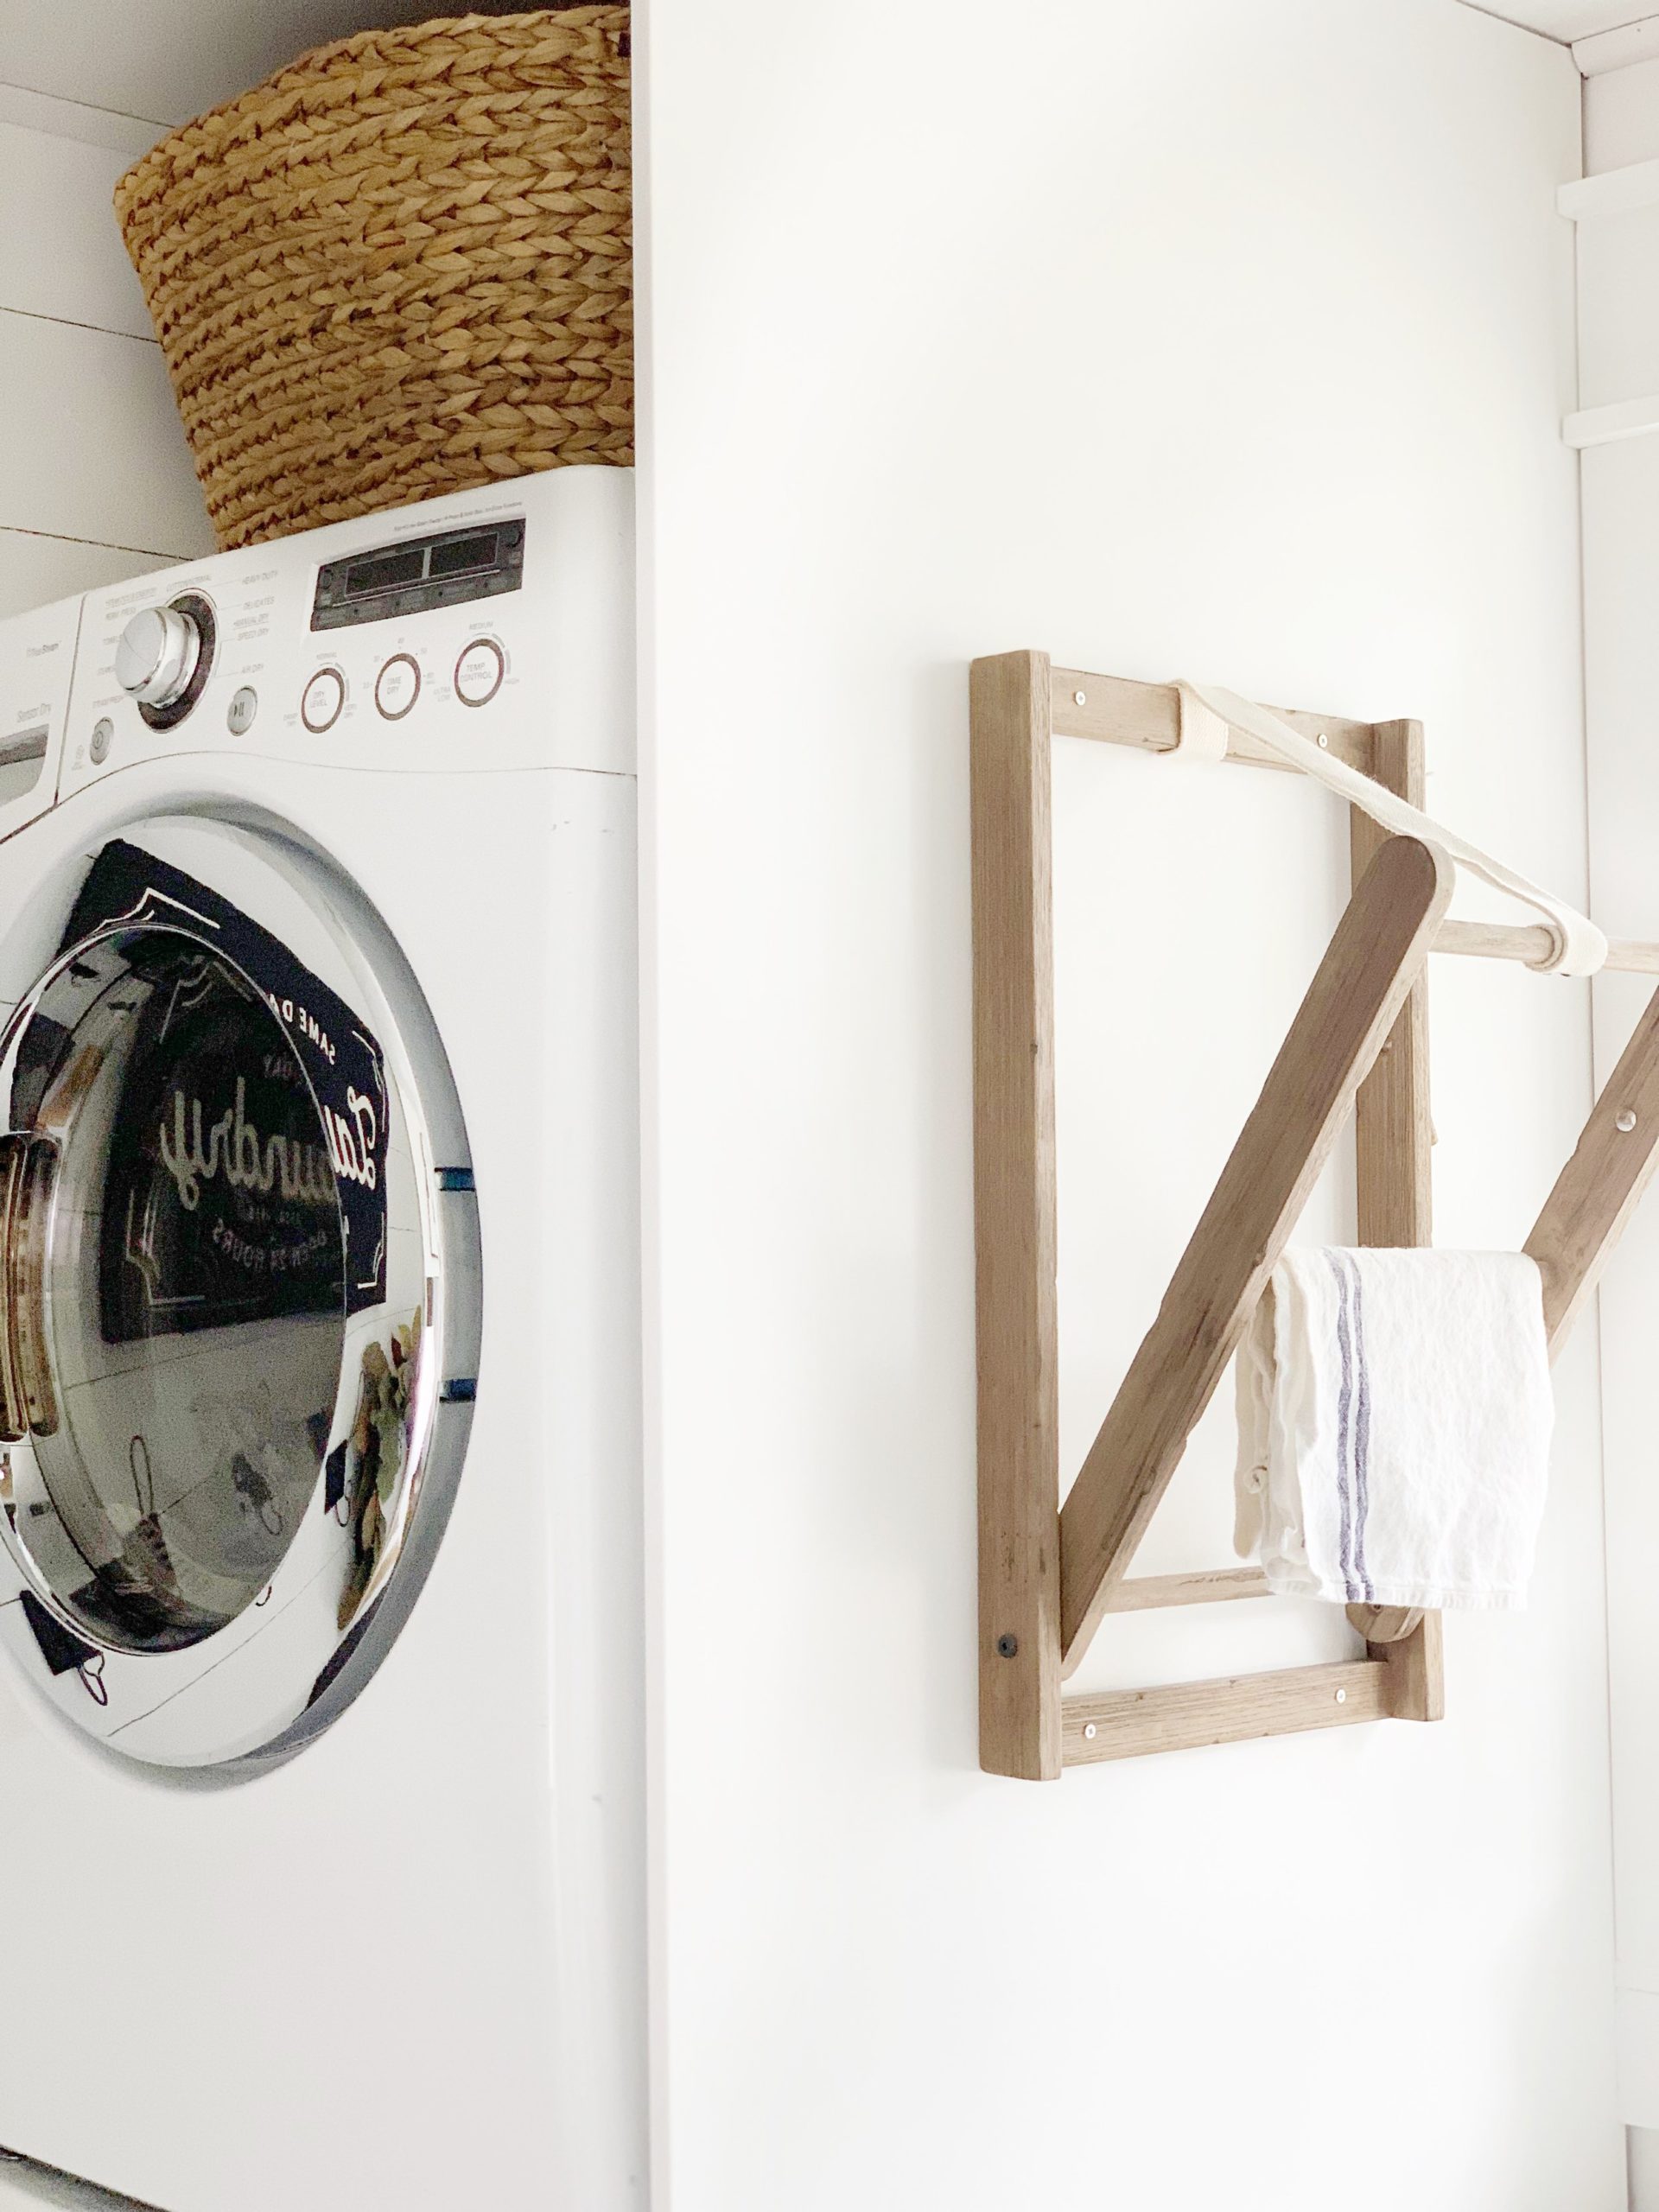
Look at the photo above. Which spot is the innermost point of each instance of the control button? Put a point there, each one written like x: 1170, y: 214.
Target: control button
x: 103, y: 738
x: 397, y: 687
x: 239, y: 718
x: 479, y: 672
x: 158, y: 656
x: 324, y: 696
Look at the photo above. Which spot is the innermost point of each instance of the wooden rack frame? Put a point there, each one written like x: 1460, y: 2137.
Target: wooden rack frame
x: 1048, y: 1575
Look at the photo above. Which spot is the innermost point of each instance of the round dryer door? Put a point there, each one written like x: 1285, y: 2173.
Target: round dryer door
x: 238, y: 1291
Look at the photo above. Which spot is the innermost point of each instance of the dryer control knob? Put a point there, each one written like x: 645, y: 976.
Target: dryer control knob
x: 158, y: 656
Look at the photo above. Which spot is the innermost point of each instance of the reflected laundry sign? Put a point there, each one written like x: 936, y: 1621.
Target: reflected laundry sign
x: 251, y: 1133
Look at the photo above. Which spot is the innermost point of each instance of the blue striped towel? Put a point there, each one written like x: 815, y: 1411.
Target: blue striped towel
x: 1393, y: 1423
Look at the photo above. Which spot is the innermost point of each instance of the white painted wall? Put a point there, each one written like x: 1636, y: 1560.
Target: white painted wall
x: 1621, y: 118
x: 95, y: 477
x: 1193, y: 336
x: 1618, y: 324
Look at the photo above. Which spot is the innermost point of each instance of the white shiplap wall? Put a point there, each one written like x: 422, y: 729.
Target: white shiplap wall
x: 168, y: 59
x: 95, y: 476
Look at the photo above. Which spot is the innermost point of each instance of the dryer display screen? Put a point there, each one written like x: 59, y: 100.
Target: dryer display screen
x: 445, y: 569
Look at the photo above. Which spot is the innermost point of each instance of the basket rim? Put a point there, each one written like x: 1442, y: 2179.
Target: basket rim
x: 334, y: 53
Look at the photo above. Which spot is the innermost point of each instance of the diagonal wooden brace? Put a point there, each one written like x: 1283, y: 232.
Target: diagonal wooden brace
x: 1368, y: 971
x: 1600, y: 1186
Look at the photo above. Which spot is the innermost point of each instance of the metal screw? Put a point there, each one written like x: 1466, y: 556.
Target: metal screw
x: 1090, y: 1731
x: 1324, y: 742
x: 1079, y: 698
x: 1006, y: 1646
x: 1342, y: 1697
x: 1624, y: 1121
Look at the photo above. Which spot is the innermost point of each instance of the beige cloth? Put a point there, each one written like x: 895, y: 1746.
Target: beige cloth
x: 1578, y: 947
x: 1393, y: 1423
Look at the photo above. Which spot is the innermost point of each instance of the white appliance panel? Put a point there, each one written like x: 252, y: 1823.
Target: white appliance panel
x: 407, y: 1967
x: 561, y: 642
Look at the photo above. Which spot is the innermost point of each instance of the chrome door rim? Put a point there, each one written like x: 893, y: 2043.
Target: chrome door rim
x: 115, y: 1690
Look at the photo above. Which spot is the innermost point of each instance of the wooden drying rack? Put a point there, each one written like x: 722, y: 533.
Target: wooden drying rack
x: 1359, y: 1043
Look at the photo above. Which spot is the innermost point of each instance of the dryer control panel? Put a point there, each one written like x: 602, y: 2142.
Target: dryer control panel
x: 491, y: 629
x: 37, y: 659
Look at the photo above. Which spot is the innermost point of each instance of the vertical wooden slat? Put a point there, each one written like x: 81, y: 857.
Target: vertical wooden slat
x: 1416, y: 1672
x: 1351, y: 1007
x: 1013, y: 1213
x: 1392, y: 1140
x: 1391, y: 1125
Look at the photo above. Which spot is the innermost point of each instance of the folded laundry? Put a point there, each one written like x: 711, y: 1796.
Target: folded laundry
x: 1393, y: 1423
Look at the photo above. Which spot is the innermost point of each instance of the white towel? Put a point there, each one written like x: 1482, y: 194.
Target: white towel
x: 1394, y: 1421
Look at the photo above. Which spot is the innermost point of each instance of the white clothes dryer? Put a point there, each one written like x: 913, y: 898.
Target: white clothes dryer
x: 320, y: 1500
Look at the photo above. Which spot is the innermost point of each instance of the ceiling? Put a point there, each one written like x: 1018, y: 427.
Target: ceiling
x: 154, y: 59
x: 1566, y: 19
x: 167, y: 61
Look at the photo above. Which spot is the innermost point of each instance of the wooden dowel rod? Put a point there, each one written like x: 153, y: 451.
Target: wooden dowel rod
x: 1530, y: 943
x: 1152, y: 1592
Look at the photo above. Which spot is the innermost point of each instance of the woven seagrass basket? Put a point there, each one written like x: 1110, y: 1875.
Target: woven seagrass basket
x: 401, y: 267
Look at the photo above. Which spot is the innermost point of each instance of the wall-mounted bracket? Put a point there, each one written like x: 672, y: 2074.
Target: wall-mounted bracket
x: 1358, y: 1044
